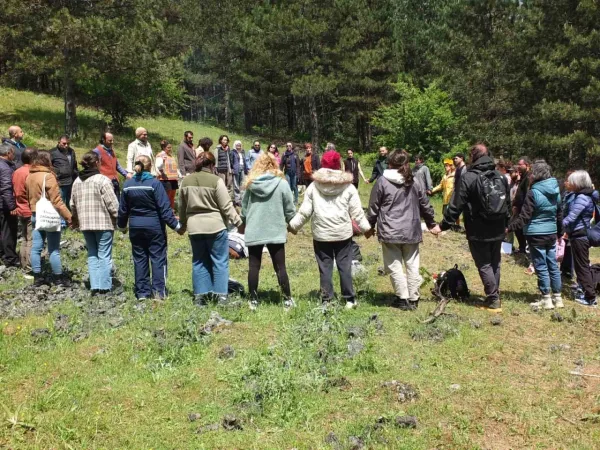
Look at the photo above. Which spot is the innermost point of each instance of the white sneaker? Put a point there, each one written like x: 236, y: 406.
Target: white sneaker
x: 557, y: 299
x: 351, y: 305
x: 545, y: 302
x: 253, y: 305
x: 289, y: 304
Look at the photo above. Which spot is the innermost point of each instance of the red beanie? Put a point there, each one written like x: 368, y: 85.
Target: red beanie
x: 331, y: 160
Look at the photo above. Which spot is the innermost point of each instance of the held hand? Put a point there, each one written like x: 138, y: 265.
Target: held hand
x: 291, y: 230
x: 129, y: 175
x: 429, y: 193
x: 370, y: 233
x: 13, y: 212
x: 181, y: 231
x: 435, y: 230
x: 242, y: 229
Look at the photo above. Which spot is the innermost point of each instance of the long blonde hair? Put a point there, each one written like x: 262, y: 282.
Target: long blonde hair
x: 266, y: 163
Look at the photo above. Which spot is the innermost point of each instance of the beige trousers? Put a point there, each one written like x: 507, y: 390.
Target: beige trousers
x: 401, y: 262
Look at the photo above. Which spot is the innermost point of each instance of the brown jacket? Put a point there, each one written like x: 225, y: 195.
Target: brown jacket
x: 33, y: 186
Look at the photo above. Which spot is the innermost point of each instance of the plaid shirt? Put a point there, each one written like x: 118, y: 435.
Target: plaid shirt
x: 94, y: 204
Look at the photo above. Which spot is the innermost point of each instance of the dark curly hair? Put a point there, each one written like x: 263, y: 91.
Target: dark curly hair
x: 400, y: 159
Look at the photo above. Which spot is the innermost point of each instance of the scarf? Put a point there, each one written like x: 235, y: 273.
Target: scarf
x: 143, y: 176
x: 84, y: 174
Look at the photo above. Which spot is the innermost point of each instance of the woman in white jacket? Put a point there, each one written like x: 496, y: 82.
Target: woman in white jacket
x: 332, y: 202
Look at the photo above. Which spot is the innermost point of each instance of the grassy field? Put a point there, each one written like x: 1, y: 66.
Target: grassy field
x: 301, y: 379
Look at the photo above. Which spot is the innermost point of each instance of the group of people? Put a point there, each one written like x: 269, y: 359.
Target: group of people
x: 263, y: 185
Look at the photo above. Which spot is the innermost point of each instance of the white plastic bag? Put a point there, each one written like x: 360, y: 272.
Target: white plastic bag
x: 46, y: 217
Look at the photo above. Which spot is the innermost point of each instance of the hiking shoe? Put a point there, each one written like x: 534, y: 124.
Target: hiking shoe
x: 545, y: 302
x: 222, y: 300
x: 351, y: 304
x: 289, y: 304
x: 39, y: 280
x: 28, y: 275
x: 588, y: 303
x: 61, y: 280
x: 253, y: 305
x: 414, y: 304
x: 200, y: 300
x: 491, y: 305
x: 403, y: 304
x: 557, y: 299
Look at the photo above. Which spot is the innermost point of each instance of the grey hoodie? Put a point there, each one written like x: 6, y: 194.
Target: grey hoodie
x: 397, y: 209
x: 267, y: 207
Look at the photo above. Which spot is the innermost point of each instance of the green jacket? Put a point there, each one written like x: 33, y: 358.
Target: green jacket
x: 267, y: 207
x: 205, y: 206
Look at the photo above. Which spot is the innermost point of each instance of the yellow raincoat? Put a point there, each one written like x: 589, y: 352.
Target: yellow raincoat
x: 446, y: 186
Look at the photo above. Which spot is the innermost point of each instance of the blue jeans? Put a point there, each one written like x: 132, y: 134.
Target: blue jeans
x: 210, y: 262
x: 546, y: 268
x: 292, y: 180
x: 37, y: 246
x: 99, y: 249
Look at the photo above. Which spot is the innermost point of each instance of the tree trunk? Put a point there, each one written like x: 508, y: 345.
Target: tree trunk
x: 70, y: 107
x: 290, y: 113
x: 314, y: 123
x: 227, y: 110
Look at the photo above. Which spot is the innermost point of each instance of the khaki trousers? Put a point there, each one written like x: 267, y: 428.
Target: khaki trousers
x: 401, y: 262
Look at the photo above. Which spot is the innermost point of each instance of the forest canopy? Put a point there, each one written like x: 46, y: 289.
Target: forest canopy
x: 429, y: 75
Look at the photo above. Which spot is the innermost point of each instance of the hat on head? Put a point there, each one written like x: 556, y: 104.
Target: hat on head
x: 460, y: 155
x: 331, y: 160
x: 448, y: 161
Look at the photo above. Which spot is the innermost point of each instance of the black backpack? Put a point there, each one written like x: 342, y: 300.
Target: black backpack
x: 451, y: 284
x: 493, y: 192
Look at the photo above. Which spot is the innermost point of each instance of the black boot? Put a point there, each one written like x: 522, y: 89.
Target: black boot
x: 62, y: 280
x: 38, y: 280
x: 403, y: 304
x: 200, y: 300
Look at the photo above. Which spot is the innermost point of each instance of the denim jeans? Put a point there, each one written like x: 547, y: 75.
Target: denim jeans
x: 546, y: 268
x: 210, y: 262
x: 292, y: 180
x: 39, y: 238
x: 99, y: 249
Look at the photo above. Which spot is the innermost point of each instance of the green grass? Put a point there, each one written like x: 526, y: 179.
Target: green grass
x: 292, y: 381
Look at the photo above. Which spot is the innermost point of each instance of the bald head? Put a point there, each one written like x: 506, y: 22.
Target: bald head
x: 15, y: 133
x: 107, y: 140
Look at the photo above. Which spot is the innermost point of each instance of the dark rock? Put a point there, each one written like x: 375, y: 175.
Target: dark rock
x: 331, y: 438
x: 406, y: 392
x: 80, y: 336
x: 475, y: 323
x: 227, y: 352
x: 556, y: 317
x: 61, y: 323
x: 376, y: 321
x: 340, y: 382
x: 355, y: 346
x: 496, y: 321
x: 207, y: 428
x: 559, y: 348
x: 231, y: 423
x: 215, y: 323
x: 116, y: 322
x: 40, y: 334
x: 406, y: 422
x: 192, y: 417
x: 356, y: 443
x: 356, y: 332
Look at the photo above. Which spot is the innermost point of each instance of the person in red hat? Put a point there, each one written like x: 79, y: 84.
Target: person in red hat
x: 332, y: 202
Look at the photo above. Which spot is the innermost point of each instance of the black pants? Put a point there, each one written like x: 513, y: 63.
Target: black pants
x: 117, y: 189
x: 521, y: 240
x: 356, y: 255
x: 580, y: 247
x: 487, y: 258
x: 355, y: 185
x: 566, y: 266
x: 325, y: 252
x: 149, y: 248
x: 277, y: 252
x: 9, y: 226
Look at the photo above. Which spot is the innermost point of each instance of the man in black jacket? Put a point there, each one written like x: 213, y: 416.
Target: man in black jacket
x: 9, y: 221
x: 64, y: 162
x: 380, y: 165
x: 484, y: 235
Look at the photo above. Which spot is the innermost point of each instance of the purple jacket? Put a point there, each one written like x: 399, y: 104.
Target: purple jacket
x: 580, y: 211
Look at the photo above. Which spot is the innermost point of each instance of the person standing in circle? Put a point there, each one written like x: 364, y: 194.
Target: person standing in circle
x: 352, y: 165
x: 168, y: 172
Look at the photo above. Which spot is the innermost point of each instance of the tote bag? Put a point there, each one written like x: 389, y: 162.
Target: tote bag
x: 46, y: 217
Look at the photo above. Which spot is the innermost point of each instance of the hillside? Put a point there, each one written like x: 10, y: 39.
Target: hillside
x: 79, y: 372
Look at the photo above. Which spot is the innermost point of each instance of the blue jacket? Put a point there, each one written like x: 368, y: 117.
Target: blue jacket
x: 144, y: 202
x: 580, y: 210
x: 235, y: 162
x: 251, y: 157
x: 7, y: 196
x: 546, y: 202
x: 290, y: 163
x: 19, y: 148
